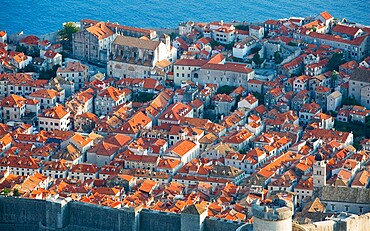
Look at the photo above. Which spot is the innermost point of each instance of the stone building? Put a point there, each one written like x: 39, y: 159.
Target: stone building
x: 359, y: 87
x: 56, y: 118
x: 321, y: 96
x: 137, y: 57
x: 274, y: 217
x: 232, y: 74
x: 93, y: 43
x: 183, y: 69
x: 334, y: 100
x: 75, y: 72
x: 109, y: 98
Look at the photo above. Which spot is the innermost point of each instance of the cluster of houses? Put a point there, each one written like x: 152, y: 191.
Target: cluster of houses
x: 94, y: 139
x: 13, y: 57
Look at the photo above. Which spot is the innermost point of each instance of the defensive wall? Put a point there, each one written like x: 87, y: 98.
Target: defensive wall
x: 31, y: 215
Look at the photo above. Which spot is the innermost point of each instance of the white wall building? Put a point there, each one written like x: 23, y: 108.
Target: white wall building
x: 334, y: 101
x: 55, y: 118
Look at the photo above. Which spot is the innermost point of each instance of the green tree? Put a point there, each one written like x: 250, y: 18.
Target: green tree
x: 21, y: 49
x: 333, y: 78
x: 214, y: 43
x: 242, y: 27
x: 257, y: 59
x: 226, y: 89
x: 173, y: 35
x: 260, y: 97
x: 332, y: 113
x: 68, y: 30
x: 49, y: 74
x: 254, y: 50
x: 144, y: 97
x: 291, y: 43
x: 6, y: 191
x: 335, y: 61
x: 349, y: 101
x: 278, y: 58
x: 16, y: 193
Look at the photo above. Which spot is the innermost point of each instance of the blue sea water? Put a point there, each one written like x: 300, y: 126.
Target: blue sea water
x: 43, y: 16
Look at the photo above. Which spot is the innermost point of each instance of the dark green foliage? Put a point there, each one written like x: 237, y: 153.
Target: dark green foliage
x: 66, y: 33
x: 242, y: 27
x: 333, y: 113
x: 21, y: 49
x: 5, y: 191
x: 291, y: 43
x: 278, y: 58
x: 144, y: 97
x: 227, y: 46
x: 239, y: 60
x: 173, y: 36
x: 226, y: 89
x: 68, y: 30
x: 260, y: 97
x: 254, y: 50
x: 335, y: 61
x: 16, y: 193
x: 257, y: 59
x: 358, y: 129
x: 349, y: 101
x: 49, y: 74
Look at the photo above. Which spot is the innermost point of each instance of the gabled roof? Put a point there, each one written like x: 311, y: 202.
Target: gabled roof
x: 136, y: 42
x: 348, y: 30
x: 100, y: 30
x: 44, y: 93
x: 181, y: 148
x: 326, y: 15
x: 191, y: 62
x: 112, y: 93
x: 13, y: 101
x: 73, y: 67
x: 57, y: 112
x: 176, y: 111
x: 195, y: 209
x: 361, y: 75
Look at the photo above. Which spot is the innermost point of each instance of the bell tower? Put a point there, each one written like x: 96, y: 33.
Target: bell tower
x: 319, y: 171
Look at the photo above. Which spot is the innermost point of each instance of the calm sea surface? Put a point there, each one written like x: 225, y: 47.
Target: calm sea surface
x: 43, y: 16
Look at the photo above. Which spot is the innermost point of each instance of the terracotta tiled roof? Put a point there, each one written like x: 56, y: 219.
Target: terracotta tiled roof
x: 30, y: 40
x: 44, y: 93
x: 136, y: 42
x: 326, y: 15
x: 349, y: 30
x: 168, y: 163
x: 112, y: 93
x: 13, y: 101
x: 181, y: 148
x: 190, y: 62
x: 84, y: 168
x: 100, y: 30
x: 57, y: 112
x: 73, y: 67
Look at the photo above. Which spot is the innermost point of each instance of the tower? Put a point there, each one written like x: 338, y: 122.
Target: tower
x: 275, y: 216
x: 193, y: 217
x: 319, y: 171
